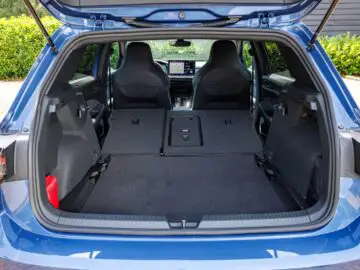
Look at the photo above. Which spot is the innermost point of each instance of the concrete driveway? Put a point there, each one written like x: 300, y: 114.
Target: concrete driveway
x: 354, y: 87
x: 8, y: 91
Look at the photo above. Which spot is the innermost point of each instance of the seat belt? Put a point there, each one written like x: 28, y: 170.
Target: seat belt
x: 110, y: 88
x: 252, y: 86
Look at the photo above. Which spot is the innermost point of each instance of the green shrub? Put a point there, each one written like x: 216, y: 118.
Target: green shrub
x: 17, y: 8
x: 344, y: 51
x: 21, y: 41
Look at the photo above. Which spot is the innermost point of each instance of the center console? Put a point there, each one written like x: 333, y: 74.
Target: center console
x: 181, y: 73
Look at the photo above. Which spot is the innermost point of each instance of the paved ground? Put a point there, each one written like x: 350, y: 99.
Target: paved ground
x: 354, y: 87
x: 8, y: 91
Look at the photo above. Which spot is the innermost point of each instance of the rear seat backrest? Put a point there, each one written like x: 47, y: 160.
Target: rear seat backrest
x: 293, y: 143
x: 78, y: 147
x: 223, y: 83
x: 140, y: 83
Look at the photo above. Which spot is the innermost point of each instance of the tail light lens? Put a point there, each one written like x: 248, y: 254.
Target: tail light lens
x: 3, y: 167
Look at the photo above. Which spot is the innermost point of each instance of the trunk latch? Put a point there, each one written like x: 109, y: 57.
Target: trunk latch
x: 183, y: 224
x: 264, y: 20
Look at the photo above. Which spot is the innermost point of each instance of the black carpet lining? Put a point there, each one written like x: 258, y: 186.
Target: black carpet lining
x: 183, y: 187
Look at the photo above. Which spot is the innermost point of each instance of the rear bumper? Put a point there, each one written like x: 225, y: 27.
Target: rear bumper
x: 354, y: 265
x: 23, y: 240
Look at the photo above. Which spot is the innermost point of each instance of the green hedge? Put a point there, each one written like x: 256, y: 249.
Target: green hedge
x: 21, y: 42
x: 344, y: 51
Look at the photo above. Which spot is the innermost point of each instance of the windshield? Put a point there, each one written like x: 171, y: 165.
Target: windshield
x: 199, y: 50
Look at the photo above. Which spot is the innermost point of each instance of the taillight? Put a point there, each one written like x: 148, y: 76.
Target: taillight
x: 52, y: 190
x: 7, y: 154
x: 3, y: 167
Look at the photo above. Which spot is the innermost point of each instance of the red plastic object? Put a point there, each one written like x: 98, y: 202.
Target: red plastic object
x: 52, y: 190
x: 3, y: 168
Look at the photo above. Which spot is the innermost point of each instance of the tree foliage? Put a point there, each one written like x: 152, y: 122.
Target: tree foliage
x: 10, y: 8
x: 21, y: 41
x: 344, y: 51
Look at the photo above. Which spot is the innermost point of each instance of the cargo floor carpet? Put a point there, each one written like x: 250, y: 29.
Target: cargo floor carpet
x: 183, y: 187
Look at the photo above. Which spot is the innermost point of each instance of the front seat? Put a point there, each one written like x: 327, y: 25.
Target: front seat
x: 223, y: 83
x: 140, y: 82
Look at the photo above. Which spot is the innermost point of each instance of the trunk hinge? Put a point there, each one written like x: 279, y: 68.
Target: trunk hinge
x: 99, y: 23
x: 41, y: 26
x: 322, y: 24
x: 264, y: 19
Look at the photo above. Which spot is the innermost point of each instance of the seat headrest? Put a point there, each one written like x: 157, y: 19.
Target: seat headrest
x: 223, y: 51
x: 138, y: 52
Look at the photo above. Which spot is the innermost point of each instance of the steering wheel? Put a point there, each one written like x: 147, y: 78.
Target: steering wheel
x: 163, y: 64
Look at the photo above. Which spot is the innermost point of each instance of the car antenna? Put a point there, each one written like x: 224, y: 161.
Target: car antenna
x: 322, y: 24
x: 41, y: 26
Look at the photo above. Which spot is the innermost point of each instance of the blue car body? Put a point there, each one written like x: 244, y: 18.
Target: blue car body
x: 23, y: 240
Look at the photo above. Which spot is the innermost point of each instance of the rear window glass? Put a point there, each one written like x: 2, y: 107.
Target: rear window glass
x: 115, y: 54
x: 198, y: 50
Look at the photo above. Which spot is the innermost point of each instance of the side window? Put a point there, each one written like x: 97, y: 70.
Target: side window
x: 247, y: 58
x: 276, y: 60
x: 115, y: 54
x: 87, y: 64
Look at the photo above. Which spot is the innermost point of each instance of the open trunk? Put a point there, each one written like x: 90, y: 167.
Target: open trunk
x: 264, y: 167
x: 182, y: 165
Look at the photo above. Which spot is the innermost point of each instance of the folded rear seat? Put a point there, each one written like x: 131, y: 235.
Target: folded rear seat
x: 135, y: 131
x: 293, y: 142
x: 202, y: 132
x: 77, y: 144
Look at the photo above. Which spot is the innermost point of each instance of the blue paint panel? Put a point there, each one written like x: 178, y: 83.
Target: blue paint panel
x: 19, y: 231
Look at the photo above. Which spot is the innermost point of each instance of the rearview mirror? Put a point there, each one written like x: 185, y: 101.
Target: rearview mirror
x: 180, y: 43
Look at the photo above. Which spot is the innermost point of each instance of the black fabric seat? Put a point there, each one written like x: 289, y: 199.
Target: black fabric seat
x: 294, y: 141
x: 223, y: 83
x: 140, y: 82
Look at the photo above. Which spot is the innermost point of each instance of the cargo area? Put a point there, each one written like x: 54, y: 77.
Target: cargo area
x: 168, y: 145
x: 182, y: 165
x: 183, y: 187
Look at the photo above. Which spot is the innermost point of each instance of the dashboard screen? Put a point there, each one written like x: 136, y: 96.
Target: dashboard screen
x: 181, y: 67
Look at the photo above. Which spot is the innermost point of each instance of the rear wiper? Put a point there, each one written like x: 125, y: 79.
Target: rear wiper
x: 217, y: 23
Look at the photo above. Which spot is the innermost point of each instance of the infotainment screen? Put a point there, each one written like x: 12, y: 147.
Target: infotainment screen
x: 181, y: 67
